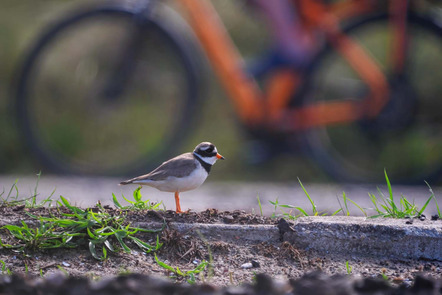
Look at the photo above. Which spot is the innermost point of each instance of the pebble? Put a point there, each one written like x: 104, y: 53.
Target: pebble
x: 65, y: 264
x: 251, y: 264
x: 228, y: 219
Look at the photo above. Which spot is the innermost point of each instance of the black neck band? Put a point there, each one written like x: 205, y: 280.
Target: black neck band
x: 205, y: 165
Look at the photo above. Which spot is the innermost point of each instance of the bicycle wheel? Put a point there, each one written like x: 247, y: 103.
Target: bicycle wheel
x: 406, y: 137
x: 108, y: 91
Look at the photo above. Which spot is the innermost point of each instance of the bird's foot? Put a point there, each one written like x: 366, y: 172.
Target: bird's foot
x: 185, y: 212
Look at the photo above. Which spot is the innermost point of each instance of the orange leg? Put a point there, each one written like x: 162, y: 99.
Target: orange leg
x: 177, y: 202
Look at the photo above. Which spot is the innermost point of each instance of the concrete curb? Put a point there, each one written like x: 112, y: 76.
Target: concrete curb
x: 224, y: 232
x: 355, y: 236
x: 361, y: 236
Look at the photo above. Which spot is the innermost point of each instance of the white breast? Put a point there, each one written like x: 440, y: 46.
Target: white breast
x: 181, y: 184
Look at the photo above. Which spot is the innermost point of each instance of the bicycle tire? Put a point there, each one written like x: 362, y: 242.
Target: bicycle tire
x: 75, y: 123
x: 408, y: 144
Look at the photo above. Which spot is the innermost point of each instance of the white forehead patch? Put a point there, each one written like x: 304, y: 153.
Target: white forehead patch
x: 205, y: 148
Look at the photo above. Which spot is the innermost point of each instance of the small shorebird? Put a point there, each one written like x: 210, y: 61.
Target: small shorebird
x: 182, y: 173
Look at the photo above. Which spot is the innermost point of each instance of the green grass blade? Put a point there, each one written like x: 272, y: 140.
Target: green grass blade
x: 104, y: 253
x: 344, y: 197
x: 359, y: 207
x: 129, y: 201
x: 142, y: 245
x: 435, y: 200
x: 303, y: 212
x: 201, y: 266
x: 164, y: 265
x: 179, y: 272
x: 425, y: 205
x: 119, y: 234
x: 259, y: 204
x: 109, y: 245
x: 93, y: 251
x: 336, y: 212
x: 315, y: 211
x: 158, y: 245
x: 137, y: 195
x: 116, y: 203
x: 390, y: 192
x: 74, y: 209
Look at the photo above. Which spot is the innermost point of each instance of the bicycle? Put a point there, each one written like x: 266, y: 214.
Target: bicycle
x: 354, y: 132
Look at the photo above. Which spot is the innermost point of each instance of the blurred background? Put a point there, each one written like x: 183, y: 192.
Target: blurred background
x: 21, y: 24
x: 248, y: 158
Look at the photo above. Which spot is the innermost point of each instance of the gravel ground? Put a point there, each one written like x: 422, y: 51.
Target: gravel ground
x: 234, y: 263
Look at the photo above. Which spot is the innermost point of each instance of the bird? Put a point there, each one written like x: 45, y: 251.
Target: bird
x: 182, y: 173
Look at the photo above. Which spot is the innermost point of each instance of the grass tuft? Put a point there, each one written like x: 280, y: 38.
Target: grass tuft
x: 189, y: 275
x: 13, y: 199
x: 76, y: 227
x: 383, y: 206
x: 387, y: 207
x: 292, y: 214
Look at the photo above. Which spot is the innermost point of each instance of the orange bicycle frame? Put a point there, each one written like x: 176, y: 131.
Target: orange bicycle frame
x: 255, y: 107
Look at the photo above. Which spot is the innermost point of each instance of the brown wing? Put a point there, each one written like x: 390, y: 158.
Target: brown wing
x: 179, y: 166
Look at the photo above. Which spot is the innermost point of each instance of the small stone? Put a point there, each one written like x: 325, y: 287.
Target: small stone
x: 251, y: 264
x: 228, y: 219
x: 65, y: 264
x: 422, y: 217
x: 18, y: 208
x: 434, y: 217
x: 255, y: 263
x: 196, y: 261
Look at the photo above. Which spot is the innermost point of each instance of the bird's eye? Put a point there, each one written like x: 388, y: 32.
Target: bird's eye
x: 210, y: 149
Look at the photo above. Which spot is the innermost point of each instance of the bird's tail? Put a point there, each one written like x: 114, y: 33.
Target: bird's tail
x: 126, y: 182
